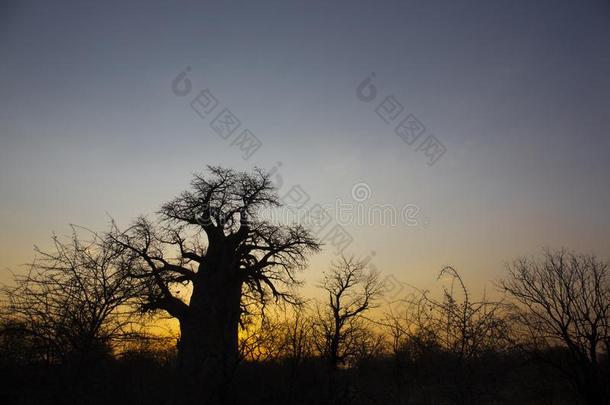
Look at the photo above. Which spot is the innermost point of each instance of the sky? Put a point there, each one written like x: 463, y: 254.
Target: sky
x: 94, y: 123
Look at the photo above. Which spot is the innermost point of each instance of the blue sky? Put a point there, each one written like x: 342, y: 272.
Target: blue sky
x: 518, y: 92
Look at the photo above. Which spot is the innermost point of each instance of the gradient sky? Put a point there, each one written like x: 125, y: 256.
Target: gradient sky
x: 517, y: 91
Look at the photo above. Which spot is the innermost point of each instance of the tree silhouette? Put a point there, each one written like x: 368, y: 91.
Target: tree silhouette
x: 564, y: 299
x: 74, y: 302
x: 351, y: 292
x: 463, y: 328
x: 210, y: 257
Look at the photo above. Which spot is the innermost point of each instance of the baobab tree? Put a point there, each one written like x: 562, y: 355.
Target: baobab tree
x: 208, y: 257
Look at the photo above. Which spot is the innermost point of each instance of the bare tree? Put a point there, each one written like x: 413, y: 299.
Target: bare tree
x: 352, y: 291
x: 283, y: 334
x: 563, y: 300
x: 465, y: 326
x: 462, y: 328
x: 209, y: 258
x: 74, y: 302
x: 261, y: 338
x: 297, y: 338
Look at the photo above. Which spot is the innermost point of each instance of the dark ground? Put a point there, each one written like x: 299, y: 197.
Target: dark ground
x: 434, y: 378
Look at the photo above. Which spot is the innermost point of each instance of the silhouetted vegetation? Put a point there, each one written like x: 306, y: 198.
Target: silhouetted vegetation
x: 74, y: 327
x: 75, y: 304
x: 563, y: 301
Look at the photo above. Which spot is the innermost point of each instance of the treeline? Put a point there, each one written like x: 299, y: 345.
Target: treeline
x: 544, y: 341
x: 79, y: 326
x: 72, y: 332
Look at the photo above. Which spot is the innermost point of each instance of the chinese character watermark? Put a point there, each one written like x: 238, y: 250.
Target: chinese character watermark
x: 225, y: 124
x: 408, y: 128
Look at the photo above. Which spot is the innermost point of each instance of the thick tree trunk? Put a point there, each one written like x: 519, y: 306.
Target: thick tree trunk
x: 208, y: 347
